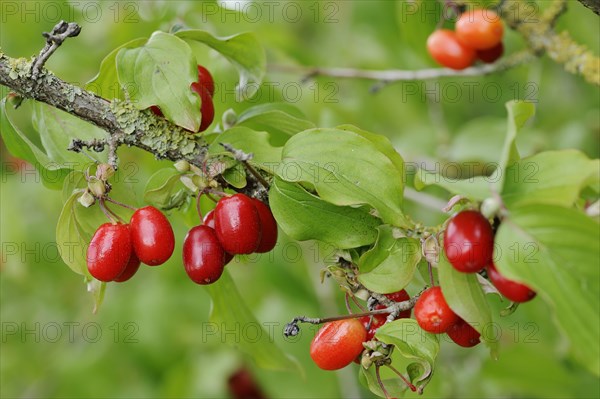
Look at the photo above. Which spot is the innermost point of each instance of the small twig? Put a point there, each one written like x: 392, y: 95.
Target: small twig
x: 406, y: 381
x: 385, y: 392
x: 54, y: 39
x: 109, y: 199
x: 593, y: 5
x: 96, y: 145
x: 242, y: 157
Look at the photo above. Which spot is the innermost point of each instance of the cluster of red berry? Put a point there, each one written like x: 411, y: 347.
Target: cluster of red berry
x: 205, y: 88
x: 469, y: 246
x: 338, y: 343
x: 478, y: 35
x: 238, y: 225
x: 116, y: 249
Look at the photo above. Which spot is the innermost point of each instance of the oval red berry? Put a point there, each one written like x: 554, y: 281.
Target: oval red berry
x: 268, y: 227
x: 203, y: 255
x: 433, y: 313
x: 512, y: 290
x: 132, y: 267
x: 152, y: 236
x: 447, y: 50
x: 237, y: 224
x: 337, y: 344
x: 206, y: 80
x: 109, y: 251
x: 469, y: 242
x: 463, y: 334
x: 207, y: 108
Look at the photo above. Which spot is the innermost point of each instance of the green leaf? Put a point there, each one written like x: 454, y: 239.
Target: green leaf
x: 519, y: 112
x: 390, y: 265
x: 552, y: 177
x: 162, y: 187
x: 555, y: 251
x: 304, y: 216
x: 106, y: 82
x: 347, y: 168
x: 242, y: 50
x: 476, y: 188
x: 465, y: 296
x: 479, y: 140
x: 160, y: 73
x: 19, y: 145
x: 266, y: 156
x: 418, y: 347
x: 236, y: 176
x: 72, y: 238
x: 230, y: 313
x: 392, y: 383
x: 281, y: 120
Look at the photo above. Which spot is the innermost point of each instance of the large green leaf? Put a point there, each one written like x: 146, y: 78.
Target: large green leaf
x: 390, y: 265
x: 160, y: 73
x: 476, y: 188
x: 348, y: 167
x: 106, y: 82
x: 465, y: 296
x: 304, y: 216
x: 266, y: 156
x: 242, y: 50
x: 552, y: 177
x: 230, y: 313
x: 163, y: 188
x: 555, y: 251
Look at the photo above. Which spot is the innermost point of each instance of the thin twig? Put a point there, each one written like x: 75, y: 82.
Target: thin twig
x: 242, y: 157
x: 54, y: 39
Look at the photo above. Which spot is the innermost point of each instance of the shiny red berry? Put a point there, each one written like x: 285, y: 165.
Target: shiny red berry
x: 132, y: 267
x: 205, y: 80
x: 444, y: 47
x: 479, y: 29
x: 237, y: 224
x: 268, y: 227
x: 463, y: 334
x: 433, y: 313
x: 152, y: 236
x: 203, y: 255
x: 109, y: 251
x: 209, y: 220
x: 491, y: 55
x: 337, y: 344
x: 512, y: 290
x: 207, y: 108
x: 378, y: 321
x: 469, y: 242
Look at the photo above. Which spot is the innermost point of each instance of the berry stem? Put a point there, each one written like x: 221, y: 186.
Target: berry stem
x: 385, y: 392
x: 198, y: 204
x: 113, y: 217
x: 242, y: 157
x: 121, y: 204
x: 406, y: 381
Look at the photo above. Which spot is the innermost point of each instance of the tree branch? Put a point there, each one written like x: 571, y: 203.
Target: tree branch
x: 593, y: 5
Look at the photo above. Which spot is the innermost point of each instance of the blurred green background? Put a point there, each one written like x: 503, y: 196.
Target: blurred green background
x: 151, y: 336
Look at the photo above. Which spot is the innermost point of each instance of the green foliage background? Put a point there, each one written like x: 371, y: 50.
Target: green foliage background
x: 172, y: 355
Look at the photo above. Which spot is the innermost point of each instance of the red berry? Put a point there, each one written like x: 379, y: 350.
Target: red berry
x: 152, y: 236
x: 337, y: 344
x: 156, y: 111
x: 237, y: 224
x: 433, y: 313
x: 203, y: 255
x: 491, y: 55
x: 479, y: 29
x: 109, y: 251
x: 268, y: 227
x: 512, y: 290
x: 207, y: 108
x: 205, y: 80
x: 463, y: 334
x: 445, y: 48
x: 469, y: 242
x: 132, y: 267
x: 209, y: 220
x: 378, y: 321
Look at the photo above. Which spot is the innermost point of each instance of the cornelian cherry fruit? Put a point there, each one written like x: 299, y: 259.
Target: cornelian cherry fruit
x: 463, y: 334
x: 445, y: 48
x: 203, y: 255
x: 479, y: 29
x: 152, y: 236
x: 337, y: 344
x: 377, y: 321
x: 268, y: 227
x: 132, y: 267
x: 491, y: 55
x: 109, y: 251
x: 207, y: 108
x: 209, y: 220
x: 433, y: 313
x: 469, y: 242
x: 237, y: 224
x: 512, y: 290
x: 206, y: 80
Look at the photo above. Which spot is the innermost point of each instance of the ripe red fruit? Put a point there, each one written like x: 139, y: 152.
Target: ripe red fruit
x: 152, y: 236
x: 479, y: 29
x: 433, y: 313
x: 268, y: 227
x: 156, y: 111
x: 207, y: 108
x: 237, y: 224
x: 491, y: 55
x: 469, y: 242
x: 205, y: 80
x: 445, y: 48
x: 463, y: 334
x: 512, y: 290
x: 378, y: 321
x: 109, y: 251
x: 337, y: 344
x: 132, y: 267
x: 203, y: 255
x: 209, y: 220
